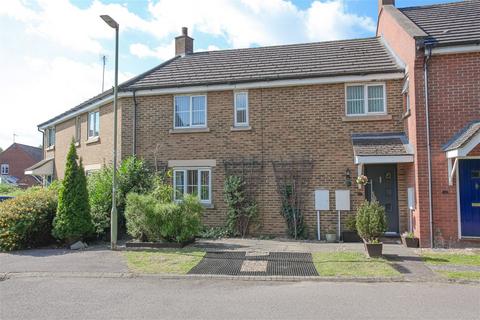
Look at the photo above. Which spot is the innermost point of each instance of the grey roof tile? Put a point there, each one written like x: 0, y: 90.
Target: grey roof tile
x: 383, y: 144
x: 463, y: 136
x: 448, y: 23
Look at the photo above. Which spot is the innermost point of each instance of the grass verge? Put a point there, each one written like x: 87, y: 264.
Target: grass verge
x: 351, y: 264
x: 173, y: 261
x: 452, y: 259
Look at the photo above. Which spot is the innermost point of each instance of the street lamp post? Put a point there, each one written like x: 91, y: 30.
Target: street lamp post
x: 114, y: 216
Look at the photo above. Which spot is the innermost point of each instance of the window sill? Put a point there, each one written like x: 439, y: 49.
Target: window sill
x: 50, y: 148
x: 406, y: 115
x: 208, y: 205
x: 93, y: 140
x: 241, y: 128
x: 382, y: 117
x: 189, y: 130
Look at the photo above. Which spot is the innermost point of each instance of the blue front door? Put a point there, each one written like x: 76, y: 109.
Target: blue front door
x: 469, y: 186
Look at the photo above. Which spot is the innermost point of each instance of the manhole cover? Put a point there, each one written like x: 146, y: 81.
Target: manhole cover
x: 264, y: 264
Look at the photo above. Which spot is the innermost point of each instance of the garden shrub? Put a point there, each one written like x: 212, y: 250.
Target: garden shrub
x: 73, y: 220
x: 371, y: 220
x: 161, y: 189
x: 241, y: 211
x: 292, y: 214
x: 149, y: 219
x: 8, y: 190
x: 26, y: 221
x: 133, y: 176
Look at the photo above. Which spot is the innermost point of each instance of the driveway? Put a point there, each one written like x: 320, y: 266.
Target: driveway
x: 95, y: 259
x: 153, y: 298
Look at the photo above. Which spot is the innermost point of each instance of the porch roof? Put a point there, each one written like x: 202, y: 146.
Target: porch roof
x: 381, y: 148
x: 41, y: 168
x: 463, y: 141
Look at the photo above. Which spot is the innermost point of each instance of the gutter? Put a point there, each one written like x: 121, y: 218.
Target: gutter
x: 134, y: 126
x: 428, y: 54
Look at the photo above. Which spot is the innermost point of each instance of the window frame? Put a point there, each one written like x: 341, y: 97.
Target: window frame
x: 50, y: 144
x: 235, y: 121
x: 199, y: 183
x: 191, y: 96
x: 365, y: 99
x: 2, y: 169
x: 88, y: 125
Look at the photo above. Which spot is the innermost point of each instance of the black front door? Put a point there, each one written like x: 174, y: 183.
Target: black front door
x: 382, y: 183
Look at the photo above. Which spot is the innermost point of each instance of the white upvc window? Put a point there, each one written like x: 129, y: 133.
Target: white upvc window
x: 241, y: 109
x: 50, y: 136
x: 4, y: 168
x: 94, y: 124
x: 190, y: 111
x: 365, y: 99
x: 196, y: 181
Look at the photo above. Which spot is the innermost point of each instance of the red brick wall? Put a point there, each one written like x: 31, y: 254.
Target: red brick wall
x: 18, y: 161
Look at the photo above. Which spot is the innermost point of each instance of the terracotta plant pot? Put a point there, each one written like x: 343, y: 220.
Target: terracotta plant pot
x: 410, y: 242
x: 374, y: 250
x: 331, y: 237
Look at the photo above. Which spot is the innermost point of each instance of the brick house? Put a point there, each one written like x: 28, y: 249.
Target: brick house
x: 307, y: 116
x: 439, y: 45
x: 13, y: 162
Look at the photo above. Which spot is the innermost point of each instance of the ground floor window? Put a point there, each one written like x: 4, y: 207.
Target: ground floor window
x: 47, y: 180
x: 193, y: 181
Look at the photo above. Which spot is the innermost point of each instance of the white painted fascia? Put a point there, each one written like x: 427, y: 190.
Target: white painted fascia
x: 383, y: 159
x: 455, y: 49
x: 240, y: 86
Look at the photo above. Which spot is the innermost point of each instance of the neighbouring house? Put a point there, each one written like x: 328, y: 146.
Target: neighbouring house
x: 293, y: 119
x: 13, y: 162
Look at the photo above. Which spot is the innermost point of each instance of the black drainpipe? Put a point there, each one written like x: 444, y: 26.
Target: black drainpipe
x: 428, y: 50
x: 134, y: 143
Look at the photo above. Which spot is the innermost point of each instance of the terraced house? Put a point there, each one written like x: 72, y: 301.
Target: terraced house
x: 402, y: 107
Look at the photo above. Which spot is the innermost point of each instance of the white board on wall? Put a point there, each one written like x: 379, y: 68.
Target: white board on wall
x: 322, y: 201
x: 411, y: 198
x: 342, y: 200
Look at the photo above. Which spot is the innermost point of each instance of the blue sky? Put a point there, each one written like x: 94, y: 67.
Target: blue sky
x: 51, y: 49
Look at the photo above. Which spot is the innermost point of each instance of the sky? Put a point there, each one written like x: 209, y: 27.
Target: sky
x: 51, y: 50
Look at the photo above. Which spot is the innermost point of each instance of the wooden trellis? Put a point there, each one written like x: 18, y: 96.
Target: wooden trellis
x: 293, y: 178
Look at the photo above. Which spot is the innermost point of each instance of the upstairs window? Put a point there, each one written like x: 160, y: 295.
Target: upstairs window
x: 192, y: 181
x: 241, y: 109
x: 93, y: 124
x: 50, y: 137
x: 4, y: 168
x: 190, y: 111
x: 365, y: 99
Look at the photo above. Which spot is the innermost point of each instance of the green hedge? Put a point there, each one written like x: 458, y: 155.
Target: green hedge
x: 26, y: 221
x: 148, y: 219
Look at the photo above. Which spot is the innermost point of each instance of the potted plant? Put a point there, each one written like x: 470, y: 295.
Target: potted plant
x: 350, y: 233
x: 331, y: 236
x: 361, y: 181
x: 409, y: 240
x: 371, y: 224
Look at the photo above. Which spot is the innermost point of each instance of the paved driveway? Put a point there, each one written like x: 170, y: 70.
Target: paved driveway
x: 95, y: 259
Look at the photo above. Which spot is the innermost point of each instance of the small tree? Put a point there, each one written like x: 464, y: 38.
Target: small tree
x: 73, y: 220
x: 371, y: 221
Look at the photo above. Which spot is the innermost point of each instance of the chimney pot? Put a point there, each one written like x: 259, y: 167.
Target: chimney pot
x: 183, y: 43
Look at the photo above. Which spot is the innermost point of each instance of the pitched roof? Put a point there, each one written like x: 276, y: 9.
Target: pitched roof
x: 449, y: 23
x: 380, y: 144
x: 34, y: 152
x: 306, y: 60
x: 463, y: 136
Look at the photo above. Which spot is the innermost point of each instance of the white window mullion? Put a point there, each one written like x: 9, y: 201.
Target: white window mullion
x: 191, y: 111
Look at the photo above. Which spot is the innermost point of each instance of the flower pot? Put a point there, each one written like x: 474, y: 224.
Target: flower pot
x: 351, y: 236
x: 410, y: 242
x: 331, y: 237
x: 374, y: 250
